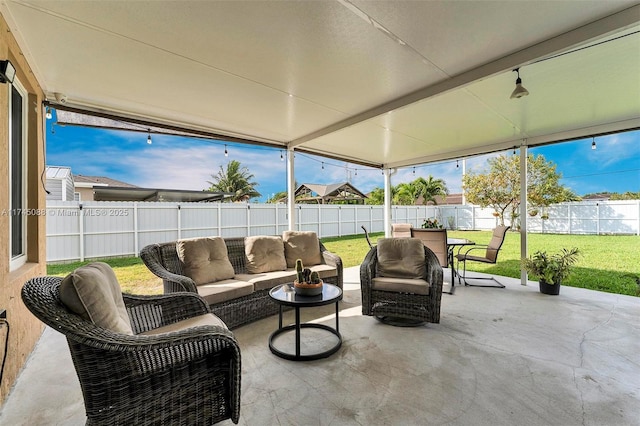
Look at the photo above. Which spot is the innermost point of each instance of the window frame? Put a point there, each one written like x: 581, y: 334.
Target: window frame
x: 18, y: 213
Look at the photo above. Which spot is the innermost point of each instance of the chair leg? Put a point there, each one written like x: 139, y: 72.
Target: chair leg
x: 464, y: 278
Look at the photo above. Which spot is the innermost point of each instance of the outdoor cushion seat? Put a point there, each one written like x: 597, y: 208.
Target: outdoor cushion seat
x: 268, y: 280
x: 400, y: 285
x: 222, y: 291
x: 176, y: 363
x: 257, y: 262
x: 401, y: 282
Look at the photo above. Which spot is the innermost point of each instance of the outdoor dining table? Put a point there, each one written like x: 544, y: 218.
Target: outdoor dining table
x: 452, y: 243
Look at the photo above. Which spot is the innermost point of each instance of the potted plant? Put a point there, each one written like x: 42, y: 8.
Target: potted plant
x: 551, y: 269
x: 431, y: 224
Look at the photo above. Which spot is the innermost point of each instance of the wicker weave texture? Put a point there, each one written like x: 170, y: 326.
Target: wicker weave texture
x: 162, y: 260
x: 189, y: 377
x: 405, y: 305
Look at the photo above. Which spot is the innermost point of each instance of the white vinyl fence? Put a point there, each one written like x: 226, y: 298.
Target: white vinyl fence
x: 97, y: 229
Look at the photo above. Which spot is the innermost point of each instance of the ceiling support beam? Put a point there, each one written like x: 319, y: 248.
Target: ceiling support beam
x: 581, y: 35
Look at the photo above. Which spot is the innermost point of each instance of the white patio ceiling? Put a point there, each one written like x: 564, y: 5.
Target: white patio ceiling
x: 384, y: 83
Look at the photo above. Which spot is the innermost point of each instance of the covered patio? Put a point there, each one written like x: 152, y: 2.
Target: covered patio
x: 498, y: 357
x: 384, y: 85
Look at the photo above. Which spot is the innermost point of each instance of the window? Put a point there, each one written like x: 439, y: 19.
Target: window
x: 17, y: 173
x: 76, y: 196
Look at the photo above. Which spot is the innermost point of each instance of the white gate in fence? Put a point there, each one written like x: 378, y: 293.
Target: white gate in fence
x: 97, y: 229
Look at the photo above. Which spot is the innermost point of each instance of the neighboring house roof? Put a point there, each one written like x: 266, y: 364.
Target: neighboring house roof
x: 130, y: 193
x: 58, y: 172
x: 450, y: 199
x: 88, y: 181
x: 328, y: 193
x: 605, y: 196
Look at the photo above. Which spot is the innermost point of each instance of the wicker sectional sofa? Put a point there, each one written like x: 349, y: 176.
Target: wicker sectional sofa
x: 236, y: 281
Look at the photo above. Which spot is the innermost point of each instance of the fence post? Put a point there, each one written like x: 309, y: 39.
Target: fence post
x: 135, y: 228
x: 179, y: 224
x: 248, y: 219
x: 81, y: 231
x: 569, y: 217
x: 339, y: 221
x: 219, y: 219
x: 319, y: 221
x: 597, y: 218
x: 275, y: 207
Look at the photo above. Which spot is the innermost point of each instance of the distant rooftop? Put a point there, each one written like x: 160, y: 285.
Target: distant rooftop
x: 102, y: 181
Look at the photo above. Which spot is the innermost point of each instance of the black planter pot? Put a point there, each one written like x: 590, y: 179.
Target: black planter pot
x: 550, y: 289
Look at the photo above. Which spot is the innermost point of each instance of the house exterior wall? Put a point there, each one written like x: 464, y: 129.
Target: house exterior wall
x: 86, y: 194
x: 54, y: 186
x: 25, y: 328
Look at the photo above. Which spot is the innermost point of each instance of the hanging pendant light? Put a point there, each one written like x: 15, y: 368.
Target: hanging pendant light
x: 149, y: 141
x: 593, y: 143
x: 519, y: 91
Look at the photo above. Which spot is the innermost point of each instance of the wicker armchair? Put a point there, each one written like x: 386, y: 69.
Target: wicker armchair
x: 401, y: 307
x: 190, y: 376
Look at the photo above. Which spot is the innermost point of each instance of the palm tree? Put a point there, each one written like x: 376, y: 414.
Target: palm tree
x: 235, y: 180
x: 406, y: 194
x: 429, y: 188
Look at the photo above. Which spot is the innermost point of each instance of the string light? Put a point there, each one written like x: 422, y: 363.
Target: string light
x: 457, y: 164
x: 226, y: 152
x: 514, y: 150
x: 356, y: 174
x: 281, y: 156
x: 149, y: 141
x: 48, y: 114
x: 323, y: 165
x: 414, y: 170
x: 593, y: 143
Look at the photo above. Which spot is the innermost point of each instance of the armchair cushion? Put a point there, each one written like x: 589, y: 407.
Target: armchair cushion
x: 302, y: 245
x: 206, y: 319
x: 205, y: 260
x: 400, y: 285
x: 264, y: 254
x: 401, y: 258
x: 93, y: 292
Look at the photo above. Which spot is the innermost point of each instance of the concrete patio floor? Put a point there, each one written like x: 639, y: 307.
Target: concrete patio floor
x: 498, y: 357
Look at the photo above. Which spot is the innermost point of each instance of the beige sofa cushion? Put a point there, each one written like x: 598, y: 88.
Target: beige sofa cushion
x: 400, y: 285
x: 264, y: 254
x: 224, y: 290
x: 205, y: 319
x: 401, y: 258
x: 268, y: 280
x: 302, y: 245
x: 92, y: 291
x: 205, y: 260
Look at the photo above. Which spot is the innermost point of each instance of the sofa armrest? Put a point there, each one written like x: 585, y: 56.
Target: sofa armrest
x: 334, y: 260
x: 150, y: 255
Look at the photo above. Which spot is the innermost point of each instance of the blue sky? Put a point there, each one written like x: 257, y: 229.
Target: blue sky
x: 172, y: 162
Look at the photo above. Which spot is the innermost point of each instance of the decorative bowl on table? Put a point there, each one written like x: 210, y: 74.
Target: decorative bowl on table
x: 307, y: 289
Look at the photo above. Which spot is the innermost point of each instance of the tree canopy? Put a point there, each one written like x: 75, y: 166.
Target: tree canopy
x: 499, y: 187
x: 409, y: 193
x: 236, y: 180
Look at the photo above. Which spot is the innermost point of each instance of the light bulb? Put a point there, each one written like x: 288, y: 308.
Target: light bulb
x: 149, y: 141
x: 48, y: 114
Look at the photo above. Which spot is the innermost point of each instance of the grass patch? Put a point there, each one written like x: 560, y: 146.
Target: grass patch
x: 608, y: 263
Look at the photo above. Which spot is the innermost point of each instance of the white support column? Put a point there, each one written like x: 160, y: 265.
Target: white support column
x: 291, y: 181
x: 387, y: 202
x: 523, y: 209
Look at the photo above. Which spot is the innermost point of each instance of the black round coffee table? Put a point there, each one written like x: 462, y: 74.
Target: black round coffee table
x: 284, y: 295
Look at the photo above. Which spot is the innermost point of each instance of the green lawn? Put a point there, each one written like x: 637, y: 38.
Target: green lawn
x: 608, y: 263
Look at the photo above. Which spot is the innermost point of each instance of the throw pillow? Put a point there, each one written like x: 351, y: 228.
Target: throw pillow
x: 205, y: 260
x: 401, y: 258
x: 93, y: 292
x: 302, y: 245
x: 264, y: 254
